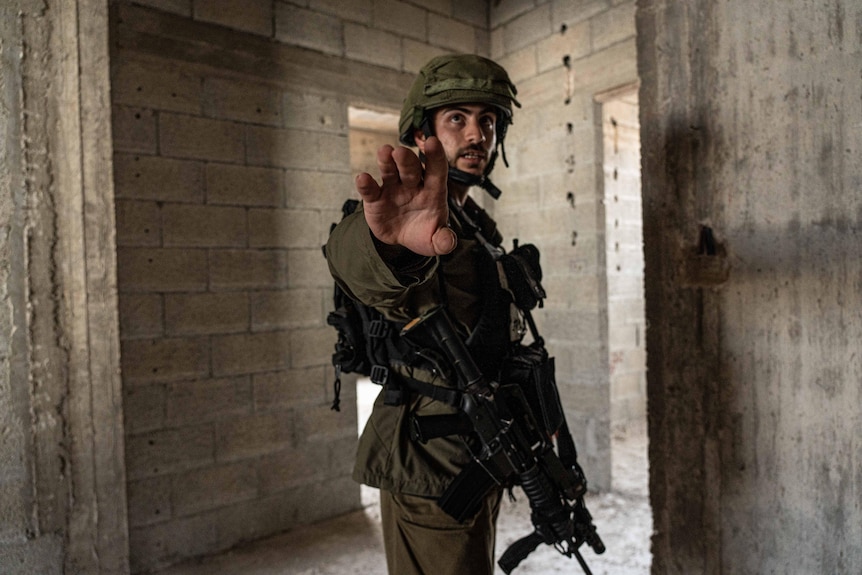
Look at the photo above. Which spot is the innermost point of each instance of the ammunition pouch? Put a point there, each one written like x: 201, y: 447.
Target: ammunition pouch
x: 532, y: 370
x: 524, y: 275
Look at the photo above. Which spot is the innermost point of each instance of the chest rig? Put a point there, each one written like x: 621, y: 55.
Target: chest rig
x: 369, y: 344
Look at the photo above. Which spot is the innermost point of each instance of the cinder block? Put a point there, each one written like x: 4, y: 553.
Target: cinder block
x: 213, y: 487
x: 473, y: 13
x: 169, y: 451
x: 187, y: 225
x: 628, y: 412
x: 321, y: 424
x: 416, y: 54
x: 317, y: 189
x: 181, y: 7
x: 134, y: 130
x: 627, y: 362
x: 254, y: 17
x: 250, y: 353
x: 141, y: 315
x: 251, y: 520
x: 400, y: 18
x: 292, y: 468
x: 452, y: 34
x: 565, y: 290
x: 627, y: 386
x: 613, y: 66
x: 144, y: 407
x: 155, y: 546
x: 244, y: 185
x: 182, y: 136
x: 138, y: 223
x: 242, y: 100
x: 152, y: 84
x: 286, y: 309
x: 342, y: 454
x: 325, y: 499
x: 288, y: 388
x: 310, y: 347
x: 149, y: 501
x: 527, y: 29
x: 308, y: 268
x: 203, y: 313
x: 496, y: 40
x: 248, y: 269
x: 575, y: 43
x: 315, y: 113
x: 506, y: 10
x: 162, y: 360
x: 161, y: 270
x: 300, y: 27
x: 160, y: 179
x: 572, y: 13
x: 442, y: 7
x: 297, y: 149
x: 198, y: 401
x: 355, y: 11
x: 284, y: 228
x: 614, y: 25
x: 253, y: 435
x: 520, y: 65
x: 372, y: 46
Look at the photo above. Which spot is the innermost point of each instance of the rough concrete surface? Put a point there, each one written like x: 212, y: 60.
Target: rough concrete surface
x: 351, y: 544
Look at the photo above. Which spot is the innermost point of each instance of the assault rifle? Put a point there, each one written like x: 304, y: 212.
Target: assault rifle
x: 516, y: 446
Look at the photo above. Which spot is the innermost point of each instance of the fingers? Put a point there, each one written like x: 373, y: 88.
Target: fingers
x: 368, y: 189
x: 409, y: 167
x: 436, y: 165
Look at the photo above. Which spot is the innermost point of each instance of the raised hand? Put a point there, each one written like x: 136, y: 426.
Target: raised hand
x: 409, y: 209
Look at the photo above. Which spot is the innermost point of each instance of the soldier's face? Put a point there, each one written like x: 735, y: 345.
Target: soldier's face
x: 468, y: 135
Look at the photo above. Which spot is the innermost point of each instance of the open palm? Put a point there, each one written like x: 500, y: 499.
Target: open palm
x: 409, y: 208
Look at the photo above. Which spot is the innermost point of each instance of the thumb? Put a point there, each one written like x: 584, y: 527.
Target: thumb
x: 444, y: 241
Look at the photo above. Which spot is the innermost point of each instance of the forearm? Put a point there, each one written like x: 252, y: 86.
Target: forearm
x: 376, y: 274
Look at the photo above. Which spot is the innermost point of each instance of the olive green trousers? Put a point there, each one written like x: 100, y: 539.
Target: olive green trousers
x: 421, y: 539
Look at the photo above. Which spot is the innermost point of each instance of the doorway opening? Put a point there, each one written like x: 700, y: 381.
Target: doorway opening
x: 369, y: 129
x: 626, y: 317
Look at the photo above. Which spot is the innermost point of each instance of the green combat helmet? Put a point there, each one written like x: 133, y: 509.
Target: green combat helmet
x: 460, y: 79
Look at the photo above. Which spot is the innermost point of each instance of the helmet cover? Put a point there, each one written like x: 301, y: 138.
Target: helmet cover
x: 457, y: 79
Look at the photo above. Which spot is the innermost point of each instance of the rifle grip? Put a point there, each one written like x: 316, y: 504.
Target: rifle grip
x: 518, y: 551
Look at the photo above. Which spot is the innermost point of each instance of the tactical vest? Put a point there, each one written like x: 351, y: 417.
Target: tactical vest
x: 368, y: 343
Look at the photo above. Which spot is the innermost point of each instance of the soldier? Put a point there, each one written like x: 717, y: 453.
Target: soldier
x: 417, y: 241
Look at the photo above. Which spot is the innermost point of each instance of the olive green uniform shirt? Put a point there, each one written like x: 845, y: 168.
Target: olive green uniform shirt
x: 386, y: 456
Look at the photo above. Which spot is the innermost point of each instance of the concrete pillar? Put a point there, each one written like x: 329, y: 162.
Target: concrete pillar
x: 63, y: 473
x: 750, y: 116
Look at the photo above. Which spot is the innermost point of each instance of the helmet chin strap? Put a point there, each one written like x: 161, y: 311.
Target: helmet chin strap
x: 483, y: 182
x: 463, y: 177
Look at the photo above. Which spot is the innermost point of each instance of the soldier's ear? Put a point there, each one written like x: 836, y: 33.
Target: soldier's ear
x: 420, y: 137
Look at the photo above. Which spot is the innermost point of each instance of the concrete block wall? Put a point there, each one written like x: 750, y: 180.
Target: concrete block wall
x: 561, y: 55
x: 232, y: 158
x: 624, y: 260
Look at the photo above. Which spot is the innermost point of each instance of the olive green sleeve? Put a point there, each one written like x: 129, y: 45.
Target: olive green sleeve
x: 398, y: 291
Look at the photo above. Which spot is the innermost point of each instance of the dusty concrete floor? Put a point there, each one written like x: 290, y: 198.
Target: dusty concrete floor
x: 351, y: 544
